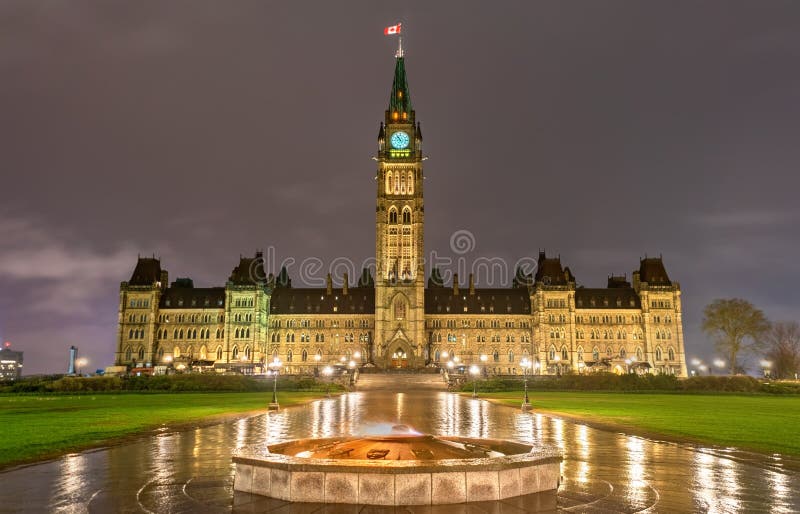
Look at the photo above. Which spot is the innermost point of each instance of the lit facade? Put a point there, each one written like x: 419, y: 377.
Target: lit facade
x: 10, y: 363
x: 397, y: 319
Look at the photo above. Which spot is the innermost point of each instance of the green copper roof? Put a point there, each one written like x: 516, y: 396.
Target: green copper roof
x: 400, y: 100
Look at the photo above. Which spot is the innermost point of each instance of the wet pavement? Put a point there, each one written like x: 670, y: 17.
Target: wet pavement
x: 602, y: 471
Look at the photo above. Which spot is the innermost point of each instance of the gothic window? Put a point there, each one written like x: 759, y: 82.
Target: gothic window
x: 511, y: 356
x: 595, y: 354
x: 552, y: 354
x: 235, y: 353
x: 219, y: 353
x: 564, y: 353
x: 580, y: 354
x: 406, y: 216
x: 393, y: 215
x: 203, y: 352
x: 388, y: 182
x: 288, y: 356
x: 622, y: 353
x: 402, y: 184
x: 670, y: 354
x: 659, y: 354
x: 141, y: 353
x: 410, y: 182
x: 399, y: 309
x: 247, y: 352
x: 639, y: 354
x: 130, y: 334
x: 127, y: 353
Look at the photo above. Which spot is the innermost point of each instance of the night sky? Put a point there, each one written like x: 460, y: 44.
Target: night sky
x: 199, y: 131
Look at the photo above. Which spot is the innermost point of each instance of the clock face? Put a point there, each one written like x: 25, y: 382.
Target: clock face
x: 400, y: 140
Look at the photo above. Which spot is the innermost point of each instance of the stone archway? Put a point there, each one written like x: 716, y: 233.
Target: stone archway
x: 399, y: 354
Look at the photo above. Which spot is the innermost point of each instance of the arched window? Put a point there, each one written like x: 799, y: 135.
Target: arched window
x: 639, y: 354
x: 436, y: 355
x: 410, y: 182
x: 388, y: 182
x: 402, y: 184
x: 237, y: 334
x: 176, y: 352
x: 175, y: 334
x: 203, y: 353
x: 217, y: 333
x: 511, y: 356
x: 670, y: 354
x: 393, y: 215
x: 130, y: 334
x: 235, y: 353
x: 180, y: 334
x: 141, y: 353
x: 219, y: 353
x: 127, y: 353
x: 406, y: 216
x: 580, y: 354
x: 564, y: 353
x: 595, y: 354
x: 552, y: 354
x: 304, y: 355
x: 289, y: 356
x: 659, y: 354
x: 247, y: 352
x: 496, y: 356
x: 622, y: 353
x: 247, y: 333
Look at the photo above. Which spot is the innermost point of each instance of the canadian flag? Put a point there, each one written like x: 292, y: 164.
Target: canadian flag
x: 394, y: 29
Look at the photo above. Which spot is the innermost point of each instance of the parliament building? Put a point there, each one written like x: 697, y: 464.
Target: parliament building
x: 397, y: 318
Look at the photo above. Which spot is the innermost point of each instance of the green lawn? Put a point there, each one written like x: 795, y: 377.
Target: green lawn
x: 36, y: 427
x: 758, y: 422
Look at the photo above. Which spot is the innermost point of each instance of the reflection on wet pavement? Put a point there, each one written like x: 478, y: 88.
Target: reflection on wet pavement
x: 603, y: 471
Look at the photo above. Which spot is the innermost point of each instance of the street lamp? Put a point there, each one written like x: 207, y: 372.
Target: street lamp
x: 526, y: 366
x: 703, y: 367
x: 276, y: 366
x: 483, y: 359
x: 317, y: 358
x: 327, y: 371
x: 720, y: 364
x: 474, y: 370
x: 81, y: 363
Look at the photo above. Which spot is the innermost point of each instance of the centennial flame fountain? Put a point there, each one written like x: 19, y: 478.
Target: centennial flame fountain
x: 399, y: 468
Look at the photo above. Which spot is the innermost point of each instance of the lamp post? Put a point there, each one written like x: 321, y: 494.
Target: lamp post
x: 696, y: 363
x: 720, y: 364
x: 484, y: 358
x: 474, y: 370
x: 526, y: 366
x: 275, y: 365
x: 81, y: 363
x: 327, y: 371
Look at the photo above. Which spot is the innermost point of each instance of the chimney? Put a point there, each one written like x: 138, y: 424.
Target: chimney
x: 455, y: 284
x: 329, y: 285
x: 345, y: 284
x: 636, y: 282
x: 164, y: 279
x: 472, y: 284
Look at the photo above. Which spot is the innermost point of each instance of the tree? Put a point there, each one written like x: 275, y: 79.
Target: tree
x: 783, y: 349
x: 736, y: 326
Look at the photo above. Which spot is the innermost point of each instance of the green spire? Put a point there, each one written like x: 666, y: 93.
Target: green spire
x: 400, y: 99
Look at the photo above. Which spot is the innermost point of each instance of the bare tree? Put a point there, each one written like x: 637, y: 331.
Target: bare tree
x: 783, y: 349
x: 736, y: 326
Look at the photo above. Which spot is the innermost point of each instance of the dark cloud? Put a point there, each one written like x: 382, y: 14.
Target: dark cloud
x: 197, y: 131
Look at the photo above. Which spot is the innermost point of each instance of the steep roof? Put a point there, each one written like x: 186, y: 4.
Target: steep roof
x: 181, y: 297
x: 652, y: 271
x: 299, y: 301
x: 400, y: 99
x: 440, y: 300
x: 250, y: 271
x: 146, y: 273
x: 607, y: 298
x: 549, y: 271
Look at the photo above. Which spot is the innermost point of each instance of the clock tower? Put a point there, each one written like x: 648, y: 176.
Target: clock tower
x: 399, y: 224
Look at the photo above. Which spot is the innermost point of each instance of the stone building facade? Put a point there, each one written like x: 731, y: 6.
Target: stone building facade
x: 395, y: 319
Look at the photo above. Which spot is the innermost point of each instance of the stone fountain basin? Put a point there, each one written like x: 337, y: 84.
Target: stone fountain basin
x: 483, y: 470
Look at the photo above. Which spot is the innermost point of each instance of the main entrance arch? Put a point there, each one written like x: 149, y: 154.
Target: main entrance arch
x: 399, y: 354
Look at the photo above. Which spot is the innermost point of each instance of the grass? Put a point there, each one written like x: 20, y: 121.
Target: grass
x: 42, y: 426
x: 757, y: 422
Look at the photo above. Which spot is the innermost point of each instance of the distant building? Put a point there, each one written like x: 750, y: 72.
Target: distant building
x: 10, y: 363
x: 73, y: 357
